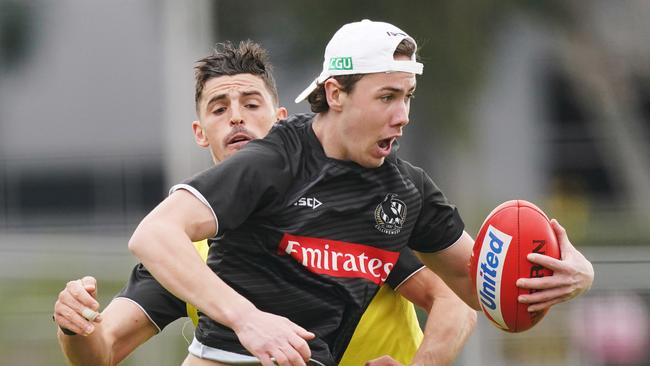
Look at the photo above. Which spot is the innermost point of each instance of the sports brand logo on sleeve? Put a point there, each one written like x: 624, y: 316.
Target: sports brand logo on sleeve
x: 390, y: 215
x: 311, y: 202
x: 339, y: 258
x: 341, y: 63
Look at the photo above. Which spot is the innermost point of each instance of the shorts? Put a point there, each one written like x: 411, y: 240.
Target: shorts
x: 213, y: 354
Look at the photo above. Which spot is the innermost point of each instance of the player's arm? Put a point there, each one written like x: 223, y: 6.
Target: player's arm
x: 120, y: 328
x: 450, y: 321
x: 452, y: 265
x: 441, y: 242
x: 572, y: 275
x: 163, y: 242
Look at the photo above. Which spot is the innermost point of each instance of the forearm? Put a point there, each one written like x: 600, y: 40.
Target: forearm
x: 124, y: 326
x: 449, y: 325
x: 91, y: 350
x: 452, y: 265
x: 168, y: 255
x: 465, y: 290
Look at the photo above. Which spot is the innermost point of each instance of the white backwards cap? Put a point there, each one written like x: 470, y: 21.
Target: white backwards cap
x: 362, y: 48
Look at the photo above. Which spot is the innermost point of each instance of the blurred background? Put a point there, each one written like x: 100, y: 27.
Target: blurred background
x: 547, y: 101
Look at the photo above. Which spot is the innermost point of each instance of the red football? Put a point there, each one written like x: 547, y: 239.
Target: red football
x: 511, y: 231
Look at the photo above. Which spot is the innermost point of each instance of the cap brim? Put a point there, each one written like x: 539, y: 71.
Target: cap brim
x: 305, y: 93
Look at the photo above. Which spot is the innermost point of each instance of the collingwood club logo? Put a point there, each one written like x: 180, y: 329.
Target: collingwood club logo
x: 390, y: 215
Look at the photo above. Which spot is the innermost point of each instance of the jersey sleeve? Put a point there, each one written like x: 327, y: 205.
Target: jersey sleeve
x: 407, y: 265
x: 158, y: 304
x: 439, y: 224
x: 244, y: 183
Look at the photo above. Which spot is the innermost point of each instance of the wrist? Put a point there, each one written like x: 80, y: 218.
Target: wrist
x: 238, y: 316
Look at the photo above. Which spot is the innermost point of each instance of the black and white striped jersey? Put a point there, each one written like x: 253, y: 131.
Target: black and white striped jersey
x: 312, y: 238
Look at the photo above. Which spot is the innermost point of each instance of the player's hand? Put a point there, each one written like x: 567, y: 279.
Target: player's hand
x: 572, y: 275
x: 77, y: 305
x: 383, y: 361
x: 268, y: 336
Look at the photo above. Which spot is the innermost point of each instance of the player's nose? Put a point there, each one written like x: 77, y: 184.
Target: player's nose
x: 401, y: 115
x: 236, y: 117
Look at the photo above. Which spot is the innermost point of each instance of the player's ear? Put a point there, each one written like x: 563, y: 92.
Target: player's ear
x: 334, y: 94
x: 199, y: 134
x: 281, y: 113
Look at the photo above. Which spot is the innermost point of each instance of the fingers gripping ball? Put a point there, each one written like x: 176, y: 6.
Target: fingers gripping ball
x: 510, y: 232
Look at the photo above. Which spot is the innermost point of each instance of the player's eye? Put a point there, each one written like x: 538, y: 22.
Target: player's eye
x: 387, y: 98
x: 219, y: 110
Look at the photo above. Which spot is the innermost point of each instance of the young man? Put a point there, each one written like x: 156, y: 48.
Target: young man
x: 290, y: 283
x: 244, y: 108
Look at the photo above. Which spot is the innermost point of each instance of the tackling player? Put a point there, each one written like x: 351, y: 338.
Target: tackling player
x: 248, y: 108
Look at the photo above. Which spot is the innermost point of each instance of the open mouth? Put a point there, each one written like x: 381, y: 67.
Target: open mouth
x: 238, y: 140
x: 383, y: 147
x: 386, y: 144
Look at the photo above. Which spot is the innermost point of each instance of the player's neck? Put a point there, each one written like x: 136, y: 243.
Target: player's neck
x: 324, y: 126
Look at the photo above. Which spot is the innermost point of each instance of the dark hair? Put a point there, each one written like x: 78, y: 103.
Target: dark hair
x: 318, y: 99
x: 227, y: 60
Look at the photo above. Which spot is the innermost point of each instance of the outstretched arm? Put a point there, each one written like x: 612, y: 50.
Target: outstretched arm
x: 162, y: 242
x: 119, y: 330
x: 572, y: 275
